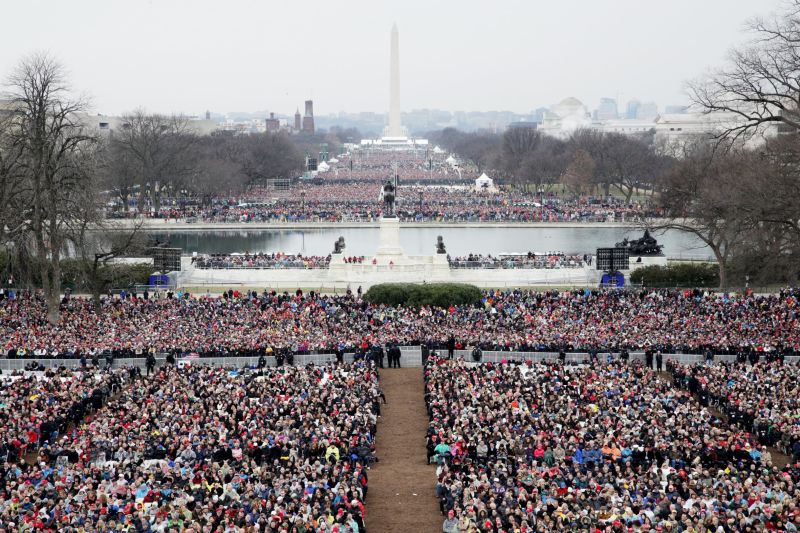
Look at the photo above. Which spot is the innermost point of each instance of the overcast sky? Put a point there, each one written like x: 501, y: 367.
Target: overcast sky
x: 247, y: 55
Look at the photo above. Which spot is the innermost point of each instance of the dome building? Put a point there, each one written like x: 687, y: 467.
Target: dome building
x: 565, y: 117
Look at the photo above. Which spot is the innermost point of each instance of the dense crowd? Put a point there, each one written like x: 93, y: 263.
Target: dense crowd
x: 607, y: 447
x: 275, y: 260
x: 761, y: 395
x: 430, y: 190
x: 205, y: 449
x: 37, y: 407
x: 529, y: 260
x: 689, y: 321
x: 359, y: 202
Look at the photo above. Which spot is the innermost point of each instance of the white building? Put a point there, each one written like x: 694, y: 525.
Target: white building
x: 562, y: 119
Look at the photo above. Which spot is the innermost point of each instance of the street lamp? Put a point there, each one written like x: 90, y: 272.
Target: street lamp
x: 421, y: 194
x: 303, y: 198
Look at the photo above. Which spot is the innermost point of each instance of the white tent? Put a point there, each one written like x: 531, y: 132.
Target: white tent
x: 333, y: 160
x: 484, y: 182
x: 323, y: 167
x: 450, y: 160
x: 437, y: 150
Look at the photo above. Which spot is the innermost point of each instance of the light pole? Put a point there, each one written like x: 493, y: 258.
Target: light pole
x: 303, y: 198
x: 421, y: 194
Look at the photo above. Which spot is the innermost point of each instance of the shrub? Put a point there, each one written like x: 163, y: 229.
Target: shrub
x: 679, y: 274
x: 417, y: 295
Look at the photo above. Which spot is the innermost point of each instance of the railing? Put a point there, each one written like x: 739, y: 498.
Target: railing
x: 411, y: 356
x: 275, y: 266
x: 501, y: 264
x: 578, y: 357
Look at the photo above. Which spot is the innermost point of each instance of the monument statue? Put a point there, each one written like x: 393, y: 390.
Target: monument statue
x: 647, y: 245
x: 440, y: 249
x: 338, y: 245
x: 388, y: 198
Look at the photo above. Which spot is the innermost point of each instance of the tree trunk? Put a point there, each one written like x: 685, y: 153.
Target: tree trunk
x: 721, y: 262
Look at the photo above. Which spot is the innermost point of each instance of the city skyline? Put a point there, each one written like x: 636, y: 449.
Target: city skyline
x: 187, y: 58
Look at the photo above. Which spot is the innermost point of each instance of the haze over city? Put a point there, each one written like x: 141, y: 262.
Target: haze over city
x: 187, y: 57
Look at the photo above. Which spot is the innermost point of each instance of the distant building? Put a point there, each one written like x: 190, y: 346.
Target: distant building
x: 565, y: 117
x: 523, y: 124
x: 632, y: 110
x: 297, y: 124
x: 308, y: 118
x: 676, y: 109
x: 208, y: 114
x: 607, y: 110
x: 273, y: 124
x: 647, y: 111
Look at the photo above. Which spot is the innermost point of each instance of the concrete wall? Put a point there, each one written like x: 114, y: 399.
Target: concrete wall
x: 366, y: 275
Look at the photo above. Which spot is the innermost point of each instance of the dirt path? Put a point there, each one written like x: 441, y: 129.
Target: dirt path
x: 401, y: 486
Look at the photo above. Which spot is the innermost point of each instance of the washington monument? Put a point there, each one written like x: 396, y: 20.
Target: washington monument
x: 395, y: 129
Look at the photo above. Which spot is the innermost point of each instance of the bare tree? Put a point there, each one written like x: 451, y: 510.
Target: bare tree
x: 270, y: 155
x: 761, y: 84
x: 544, y: 165
x: 593, y: 142
x: 518, y: 145
x: 630, y: 163
x: 159, y: 148
x: 577, y: 178
x: 701, y: 197
x: 54, y: 151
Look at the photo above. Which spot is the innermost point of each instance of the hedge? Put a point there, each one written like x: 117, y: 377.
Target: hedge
x: 679, y: 274
x: 74, y: 274
x: 417, y: 295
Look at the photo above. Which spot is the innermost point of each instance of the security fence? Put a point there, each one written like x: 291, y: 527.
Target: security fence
x: 411, y: 356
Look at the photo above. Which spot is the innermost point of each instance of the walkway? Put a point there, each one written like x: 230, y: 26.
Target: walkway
x: 401, y: 486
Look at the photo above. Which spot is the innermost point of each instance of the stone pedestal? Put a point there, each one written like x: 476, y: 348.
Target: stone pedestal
x: 337, y: 262
x: 639, y: 261
x: 440, y: 263
x: 389, y: 244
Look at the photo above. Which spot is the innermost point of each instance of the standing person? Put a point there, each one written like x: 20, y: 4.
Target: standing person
x: 562, y: 356
x: 659, y: 361
x: 648, y: 358
x: 709, y: 355
x: 624, y: 355
x: 450, y: 524
x: 397, y: 354
x: 150, y: 362
x: 380, y: 352
x: 451, y: 346
x: 340, y: 353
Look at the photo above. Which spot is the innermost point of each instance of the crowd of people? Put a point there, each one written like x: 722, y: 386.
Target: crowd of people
x: 275, y: 260
x: 603, y: 447
x: 760, y: 395
x: 200, y: 449
x: 431, y: 189
x: 247, y: 323
x: 358, y: 202
x: 529, y: 260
